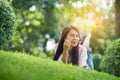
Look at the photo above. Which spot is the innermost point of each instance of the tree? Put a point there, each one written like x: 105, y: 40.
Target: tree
x: 111, y: 60
x: 34, y: 25
x: 117, y: 18
x: 7, y: 20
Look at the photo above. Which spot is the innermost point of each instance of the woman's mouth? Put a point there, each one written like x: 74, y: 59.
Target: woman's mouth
x: 74, y: 42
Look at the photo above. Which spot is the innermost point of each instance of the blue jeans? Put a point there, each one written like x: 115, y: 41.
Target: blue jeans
x: 90, y: 59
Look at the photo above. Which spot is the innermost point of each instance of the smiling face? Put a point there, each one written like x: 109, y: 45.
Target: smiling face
x: 73, y: 37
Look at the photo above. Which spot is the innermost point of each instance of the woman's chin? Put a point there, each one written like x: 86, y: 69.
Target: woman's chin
x: 74, y: 45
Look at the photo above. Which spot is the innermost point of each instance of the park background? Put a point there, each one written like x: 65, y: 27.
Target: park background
x: 37, y: 25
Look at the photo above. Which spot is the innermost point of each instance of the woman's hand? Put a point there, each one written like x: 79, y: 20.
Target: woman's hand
x: 66, y: 46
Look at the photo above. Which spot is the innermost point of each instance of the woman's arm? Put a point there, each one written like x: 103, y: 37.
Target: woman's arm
x: 64, y: 57
x: 66, y: 48
x: 86, y: 41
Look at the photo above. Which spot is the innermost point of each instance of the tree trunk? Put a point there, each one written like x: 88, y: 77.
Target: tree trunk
x: 117, y: 18
x: 27, y: 41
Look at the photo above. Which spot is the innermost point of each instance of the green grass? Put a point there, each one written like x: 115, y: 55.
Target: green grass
x: 19, y: 66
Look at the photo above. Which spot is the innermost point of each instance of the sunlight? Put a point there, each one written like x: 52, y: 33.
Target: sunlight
x: 27, y: 23
x: 90, y: 15
x: 33, y: 8
x: 59, y: 5
x: 78, y: 4
x: 84, y: 25
x: 50, y: 44
x: 97, y: 9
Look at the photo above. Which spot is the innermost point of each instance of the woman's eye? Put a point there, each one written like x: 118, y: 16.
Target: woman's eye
x: 77, y: 35
x: 72, y: 35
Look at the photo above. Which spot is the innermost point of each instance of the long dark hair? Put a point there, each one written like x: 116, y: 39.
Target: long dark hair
x: 74, y: 52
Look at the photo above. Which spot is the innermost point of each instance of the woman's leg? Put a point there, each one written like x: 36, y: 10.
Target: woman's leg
x: 90, y: 59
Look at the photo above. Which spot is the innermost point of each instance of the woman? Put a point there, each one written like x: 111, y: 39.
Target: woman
x: 69, y: 50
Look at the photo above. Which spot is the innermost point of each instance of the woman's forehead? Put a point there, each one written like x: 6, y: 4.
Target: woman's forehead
x: 72, y: 31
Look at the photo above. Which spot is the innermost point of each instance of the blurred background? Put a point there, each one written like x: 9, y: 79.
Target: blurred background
x: 40, y: 22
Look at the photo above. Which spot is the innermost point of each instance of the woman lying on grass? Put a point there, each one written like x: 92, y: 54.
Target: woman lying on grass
x: 69, y: 50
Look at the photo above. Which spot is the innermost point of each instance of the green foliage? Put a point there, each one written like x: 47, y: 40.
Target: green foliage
x: 7, y: 19
x: 111, y: 61
x: 14, y: 66
x: 96, y: 60
x: 40, y: 22
x: 38, y: 53
x: 28, y: 3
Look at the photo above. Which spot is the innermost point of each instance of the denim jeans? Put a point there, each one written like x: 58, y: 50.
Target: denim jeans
x: 90, y: 59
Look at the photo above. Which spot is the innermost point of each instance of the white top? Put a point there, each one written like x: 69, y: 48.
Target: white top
x: 82, y: 58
